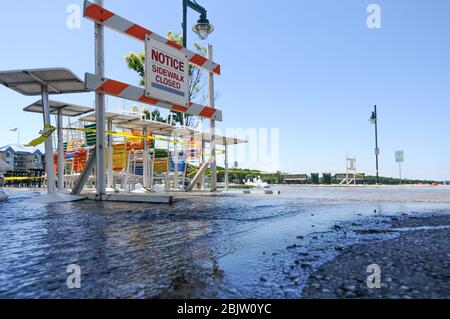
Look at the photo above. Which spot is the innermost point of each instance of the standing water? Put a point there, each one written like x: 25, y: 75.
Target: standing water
x: 229, y: 246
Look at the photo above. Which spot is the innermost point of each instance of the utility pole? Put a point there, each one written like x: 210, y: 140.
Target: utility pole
x: 374, y: 120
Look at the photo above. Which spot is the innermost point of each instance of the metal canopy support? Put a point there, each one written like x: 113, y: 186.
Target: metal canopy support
x: 100, y: 109
x: 175, y: 160
x: 59, y: 126
x: 199, y: 174
x: 49, y: 164
x: 79, y: 185
x: 145, y: 160
x: 226, y: 166
x: 152, y: 170
x: 212, y: 126
x: 110, y: 156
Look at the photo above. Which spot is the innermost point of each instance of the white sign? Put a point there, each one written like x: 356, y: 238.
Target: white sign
x: 351, y: 164
x: 166, y: 73
x: 377, y: 151
x: 399, y: 156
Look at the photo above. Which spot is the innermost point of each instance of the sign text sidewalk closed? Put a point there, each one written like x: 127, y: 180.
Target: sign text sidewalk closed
x: 166, y: 73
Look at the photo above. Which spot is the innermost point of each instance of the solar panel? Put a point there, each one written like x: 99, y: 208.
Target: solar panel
x: 220, y: 140
x: 117, y: 118
x: 139, y: 124
x: 30, y: 81
x: 135, y: 122
x: 67, y: 109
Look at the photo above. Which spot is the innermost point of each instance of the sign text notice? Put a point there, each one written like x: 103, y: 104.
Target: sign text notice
x: 166, y: 73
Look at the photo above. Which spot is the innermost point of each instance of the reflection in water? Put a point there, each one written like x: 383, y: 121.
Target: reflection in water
x: 203, y: 247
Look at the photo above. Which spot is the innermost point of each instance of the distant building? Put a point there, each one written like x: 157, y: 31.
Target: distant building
x: 295, y: 178
x: 22, y: 158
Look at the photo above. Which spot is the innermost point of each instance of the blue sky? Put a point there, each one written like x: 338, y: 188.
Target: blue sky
x: 311, y: 68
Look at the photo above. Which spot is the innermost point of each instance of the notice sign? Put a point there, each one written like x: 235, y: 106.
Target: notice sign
x: 166, y: 73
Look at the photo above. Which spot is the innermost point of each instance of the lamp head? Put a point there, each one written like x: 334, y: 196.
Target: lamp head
x: 373, y: 118
x: 203, y: 28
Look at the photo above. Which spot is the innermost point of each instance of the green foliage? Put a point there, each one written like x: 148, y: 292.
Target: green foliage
x: 241, y: 186
x: 155, y: 115
x: 136, y: 62
x: 371, y: 180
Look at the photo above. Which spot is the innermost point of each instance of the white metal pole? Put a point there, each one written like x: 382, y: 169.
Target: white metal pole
x: 400, y: 170
x: 227, y: 182
x: 202, y: 183
x: 145, y: 159
x: 110, y: 155
x: 100, y: 109
x: 60, y: 151
x: 152, y: 171
x: 168, y: 168
x: 49, y: 161
x: 212, y: 125
x: 175, y: 163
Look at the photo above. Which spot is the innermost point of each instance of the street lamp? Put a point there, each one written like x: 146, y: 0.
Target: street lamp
x: 374, y: 120
x: 202, y: 28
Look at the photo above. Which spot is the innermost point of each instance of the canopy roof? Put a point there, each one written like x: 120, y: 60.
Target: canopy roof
x: 117, y: 118
x: 30, y: 81
x: 222, y: 140
x: 67, y: 109
x: 152, y: 126
x: 135, y: 122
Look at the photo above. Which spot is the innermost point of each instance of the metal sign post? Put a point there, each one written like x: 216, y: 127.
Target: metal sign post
x: 400, y: 158
x: 110, y: 183
x: 212, y: 125
x: 203, y: 178
x: 100, y: 110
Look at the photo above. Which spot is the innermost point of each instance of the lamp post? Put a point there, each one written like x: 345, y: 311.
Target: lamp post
x: 203, y: 28
x: 374, y: 120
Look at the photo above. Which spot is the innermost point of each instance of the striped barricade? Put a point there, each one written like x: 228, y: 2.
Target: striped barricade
x: 111, y: 20
x: 133, y: 93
